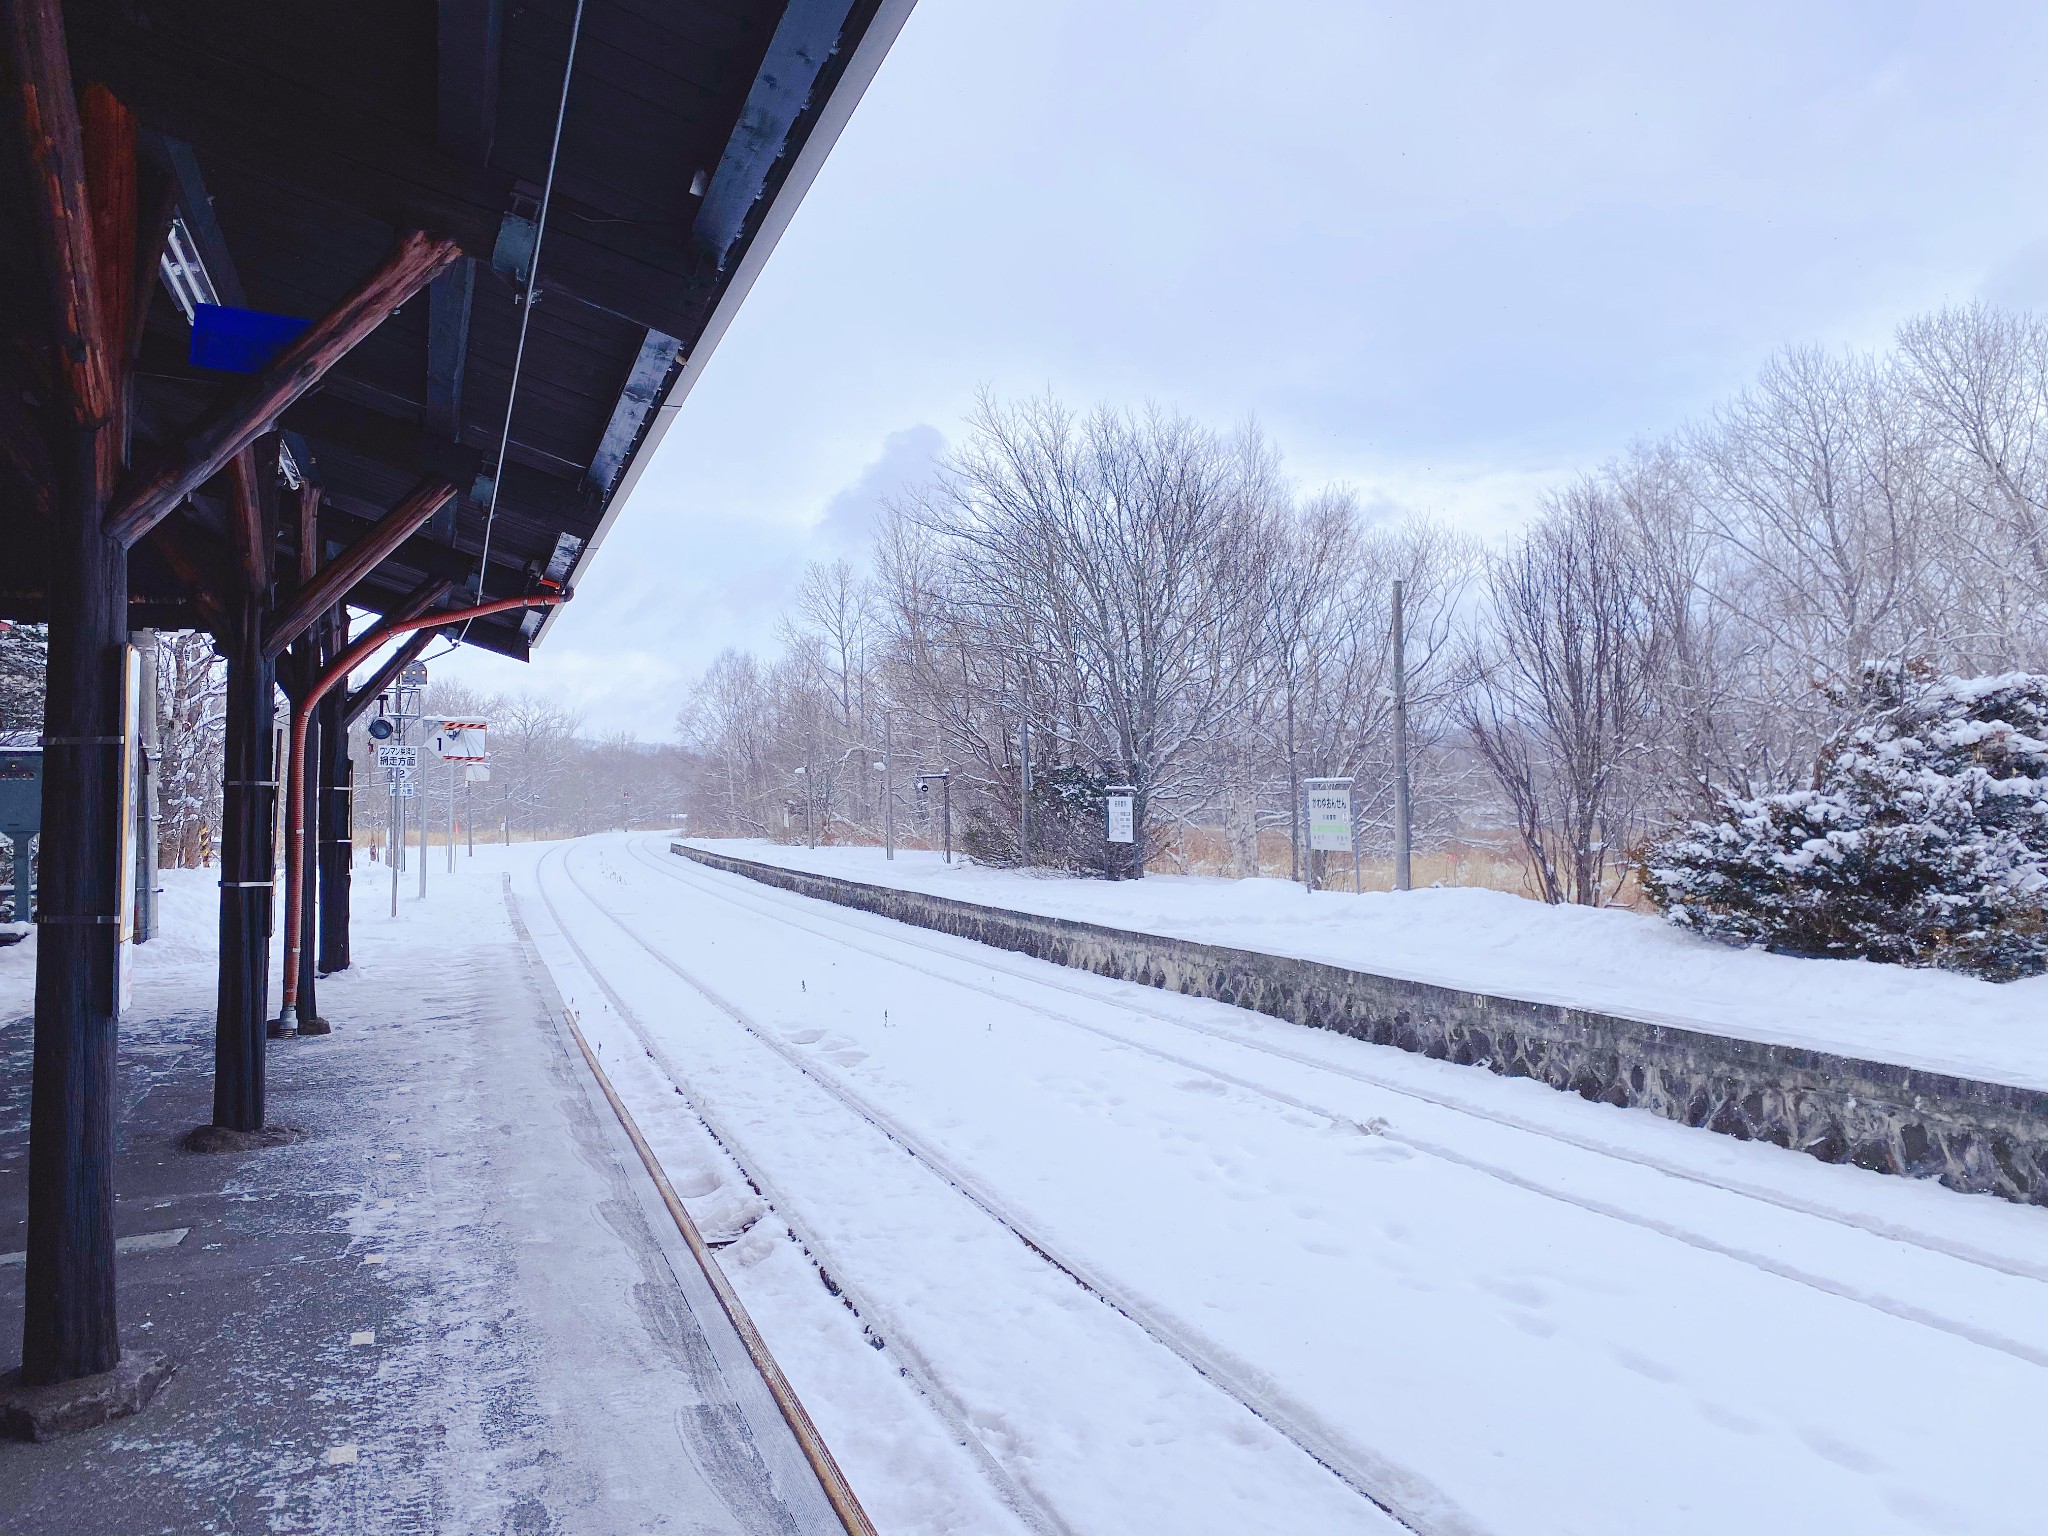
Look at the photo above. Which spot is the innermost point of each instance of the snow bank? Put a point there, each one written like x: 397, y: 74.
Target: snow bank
x: 1488, y: 941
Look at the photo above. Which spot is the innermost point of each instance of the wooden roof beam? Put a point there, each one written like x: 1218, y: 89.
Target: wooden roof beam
x: 354, y: 563
x: 55, y: 162
x: 466, y: 95
x: 431, y: 593
x: 241, y: 417
x: 805, y: 39
x: 448, y: 307
x: 417, y: 553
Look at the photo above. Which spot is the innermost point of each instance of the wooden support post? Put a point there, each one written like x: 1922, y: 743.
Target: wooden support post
x: 240, y: 418
x: 322, y: 591
x: 336, y: 823
x: 69, y: 1323
x: 307, y: 662
x: 248, y: 802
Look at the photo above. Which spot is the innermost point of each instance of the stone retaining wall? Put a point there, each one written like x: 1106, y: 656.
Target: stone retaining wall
x: 1990, y: 1138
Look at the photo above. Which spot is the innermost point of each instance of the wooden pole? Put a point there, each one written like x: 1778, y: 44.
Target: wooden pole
x: 337, y: 829
x: 1403, y: 868
x: 248, y: 790
x: 307, y: 661
x: 238, y: 420
x: 70, y: 1326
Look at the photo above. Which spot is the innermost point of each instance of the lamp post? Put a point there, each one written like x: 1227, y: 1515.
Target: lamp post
x: 888, y: 789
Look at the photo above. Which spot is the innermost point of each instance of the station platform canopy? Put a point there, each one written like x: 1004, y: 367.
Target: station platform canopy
x: 296, y: 145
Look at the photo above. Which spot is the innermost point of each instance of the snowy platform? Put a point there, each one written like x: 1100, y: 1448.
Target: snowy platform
x: 450, y: 1306
x: 1615, y: 961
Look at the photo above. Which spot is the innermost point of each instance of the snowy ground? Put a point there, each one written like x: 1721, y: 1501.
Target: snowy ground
x: 1131, y: 1262
x: 1489, y: 941
x: 1098, y: 1259
x: 459, y: 1275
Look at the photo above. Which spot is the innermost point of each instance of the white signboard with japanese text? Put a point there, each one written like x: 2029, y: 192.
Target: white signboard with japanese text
x: 1329, y: 818
x: 1120, y: 808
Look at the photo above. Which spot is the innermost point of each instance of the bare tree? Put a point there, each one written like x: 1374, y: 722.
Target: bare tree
x: 1560, y: 699
x: 191, y: 703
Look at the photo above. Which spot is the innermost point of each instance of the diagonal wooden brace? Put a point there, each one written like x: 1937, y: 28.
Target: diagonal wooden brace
x: 430, y: 593
x: 244, y: 415
x: 382, y: 678
x: 340, y: 574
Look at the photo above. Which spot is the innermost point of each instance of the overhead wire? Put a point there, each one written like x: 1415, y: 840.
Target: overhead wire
x: 540, y: 229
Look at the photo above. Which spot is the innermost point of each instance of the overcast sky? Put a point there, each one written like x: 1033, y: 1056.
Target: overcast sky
x: 1447, y: 253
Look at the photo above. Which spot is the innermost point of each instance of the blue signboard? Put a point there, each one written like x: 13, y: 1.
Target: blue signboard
x: 240, y: 340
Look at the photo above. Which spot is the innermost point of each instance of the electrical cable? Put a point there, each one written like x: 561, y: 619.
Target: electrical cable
x: 540, y: 229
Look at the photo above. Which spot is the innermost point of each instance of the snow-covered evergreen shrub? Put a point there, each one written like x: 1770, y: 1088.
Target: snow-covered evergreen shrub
x: 1923, y: 842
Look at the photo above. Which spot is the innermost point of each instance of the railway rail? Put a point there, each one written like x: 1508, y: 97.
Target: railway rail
x: 1951, y: 1283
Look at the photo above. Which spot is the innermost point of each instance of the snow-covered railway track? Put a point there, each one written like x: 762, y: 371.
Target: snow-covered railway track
x: 1552, y: 1336
x: 1396, y: 1497
x: 881, y: 938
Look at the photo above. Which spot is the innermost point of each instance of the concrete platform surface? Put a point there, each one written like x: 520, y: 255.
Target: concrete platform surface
x: 452, y: 1305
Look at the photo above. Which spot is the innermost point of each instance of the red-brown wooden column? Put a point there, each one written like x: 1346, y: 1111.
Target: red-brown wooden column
x: 248, y: 800
x: 82, y: 208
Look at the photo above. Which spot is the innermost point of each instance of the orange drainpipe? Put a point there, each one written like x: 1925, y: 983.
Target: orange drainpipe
x: 295, y: 803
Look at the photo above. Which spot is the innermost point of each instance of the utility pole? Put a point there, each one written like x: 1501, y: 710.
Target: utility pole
x: 888, y: 789
x: 424, y: 818
x: 810, y: 819
x: 1024, y: 793
x: 1402, y: 870
x: 451, y: 815
x: 394, y: 835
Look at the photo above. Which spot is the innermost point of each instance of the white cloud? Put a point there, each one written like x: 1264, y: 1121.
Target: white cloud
x: 1449, y: 253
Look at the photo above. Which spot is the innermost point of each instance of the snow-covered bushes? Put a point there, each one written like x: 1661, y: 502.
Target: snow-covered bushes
x: 1924, y: 840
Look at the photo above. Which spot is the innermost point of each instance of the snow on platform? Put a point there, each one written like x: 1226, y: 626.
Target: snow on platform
x: 449, y: 1308
x: 1489, y: 941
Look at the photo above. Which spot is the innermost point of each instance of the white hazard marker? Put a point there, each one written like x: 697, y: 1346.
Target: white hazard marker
x: 341, y: 1455
x: 373, y: 1258
x: 367, y: 1337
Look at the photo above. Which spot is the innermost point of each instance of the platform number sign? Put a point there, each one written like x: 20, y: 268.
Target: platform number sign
x: 1120, y: 817
x: 462, y: 741
x: 399, y: 763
